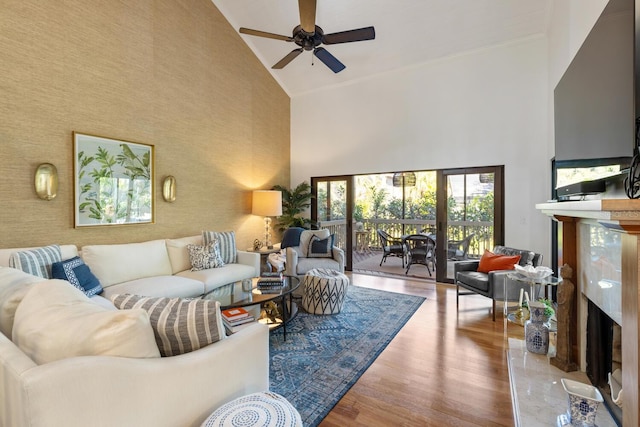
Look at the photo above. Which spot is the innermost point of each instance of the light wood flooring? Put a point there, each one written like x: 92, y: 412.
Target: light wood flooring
x: 442, y: 369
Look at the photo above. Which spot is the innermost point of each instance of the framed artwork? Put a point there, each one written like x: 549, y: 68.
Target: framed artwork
x: 113, y: 181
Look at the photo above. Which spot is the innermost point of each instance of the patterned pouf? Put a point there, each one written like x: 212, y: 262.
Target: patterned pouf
x: 264, y: 409
x: 324, y: 291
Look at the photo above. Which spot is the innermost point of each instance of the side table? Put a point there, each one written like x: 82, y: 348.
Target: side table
x: 264, y: 253
x: 535, y: 286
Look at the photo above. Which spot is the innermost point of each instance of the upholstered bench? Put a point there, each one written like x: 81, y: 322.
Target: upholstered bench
x: 324, y: 291
x: 264, y: 409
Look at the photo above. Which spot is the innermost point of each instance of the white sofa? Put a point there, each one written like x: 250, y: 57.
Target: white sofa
x: 107, y: 391
x: 162, y: 268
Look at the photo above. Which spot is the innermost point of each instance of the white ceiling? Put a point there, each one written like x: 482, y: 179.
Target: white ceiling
x: 408, y: 32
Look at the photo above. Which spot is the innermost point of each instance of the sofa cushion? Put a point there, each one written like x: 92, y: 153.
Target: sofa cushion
x: 180, y: 325
x: 305, y: 238
x: 178, y: 254
x: 56, y: 321
x: 306, y: 264
x: 216, y: 277
x: 158, y: 286
x: 125, y: 262
x: 492, y: 262
x: 76, y: 272
x: 226, y: 241
x: 36, y: 261
x: 14, y: 284
x: 320, y: 248
x: 205, y: 256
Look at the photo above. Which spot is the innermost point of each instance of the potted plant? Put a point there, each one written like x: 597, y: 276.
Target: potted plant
x: 294, y: 203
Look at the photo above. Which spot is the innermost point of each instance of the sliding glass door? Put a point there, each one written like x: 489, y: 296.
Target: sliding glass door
x: 470, y: 216
x: 331, y: 208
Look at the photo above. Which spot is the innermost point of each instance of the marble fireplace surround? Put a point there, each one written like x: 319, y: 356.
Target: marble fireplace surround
x: 622, y: 215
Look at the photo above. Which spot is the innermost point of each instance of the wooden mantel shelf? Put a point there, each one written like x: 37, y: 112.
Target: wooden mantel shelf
x: 616, y: 213
x: 624, y: 216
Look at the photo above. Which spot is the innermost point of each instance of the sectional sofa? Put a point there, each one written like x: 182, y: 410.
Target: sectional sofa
x: 104, y: 390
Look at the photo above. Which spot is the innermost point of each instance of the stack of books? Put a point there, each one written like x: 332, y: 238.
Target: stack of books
x: 234, y: 317
x: 270, y: 282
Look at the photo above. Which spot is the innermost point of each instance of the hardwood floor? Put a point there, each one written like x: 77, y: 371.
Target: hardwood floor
x: 442, y: 369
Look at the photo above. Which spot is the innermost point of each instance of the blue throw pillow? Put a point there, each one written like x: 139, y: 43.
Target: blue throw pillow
x: 321, y: 248
x: 291, y: 237
x: 76, y: 272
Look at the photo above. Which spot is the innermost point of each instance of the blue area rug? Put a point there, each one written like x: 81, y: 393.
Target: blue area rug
x: 325, y: 355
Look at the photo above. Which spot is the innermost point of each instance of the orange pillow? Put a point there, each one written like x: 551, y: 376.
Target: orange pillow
x: 490, y: 262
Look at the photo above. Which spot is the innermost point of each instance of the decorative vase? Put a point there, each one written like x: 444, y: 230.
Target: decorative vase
x: 536, y: 330
x: 583, y: 402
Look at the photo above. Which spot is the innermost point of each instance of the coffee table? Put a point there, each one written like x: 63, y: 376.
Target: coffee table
x: 233, y: 295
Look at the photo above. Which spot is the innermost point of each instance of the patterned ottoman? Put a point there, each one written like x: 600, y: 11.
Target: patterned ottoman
x: 264, y: 409
x: 324, y: 291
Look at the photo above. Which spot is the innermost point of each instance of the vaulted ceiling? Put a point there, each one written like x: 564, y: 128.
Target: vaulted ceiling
x: 408, y: 33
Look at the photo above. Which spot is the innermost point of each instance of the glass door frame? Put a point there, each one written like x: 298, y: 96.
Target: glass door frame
x: 350, y: 203
x: 441, y: 212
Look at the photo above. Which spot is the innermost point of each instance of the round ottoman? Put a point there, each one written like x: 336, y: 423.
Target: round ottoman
x: 264, y: 409
x: 324, y: 291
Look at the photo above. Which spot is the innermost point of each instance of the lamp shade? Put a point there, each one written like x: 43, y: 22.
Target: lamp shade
x: 267, y: 203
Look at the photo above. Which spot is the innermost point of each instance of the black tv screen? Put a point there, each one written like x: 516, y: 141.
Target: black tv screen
x: 594, y: 99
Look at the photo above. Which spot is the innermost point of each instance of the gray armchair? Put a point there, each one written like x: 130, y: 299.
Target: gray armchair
x: 491, y: 285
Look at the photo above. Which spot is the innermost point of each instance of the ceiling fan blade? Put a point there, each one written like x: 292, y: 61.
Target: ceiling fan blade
x: 290, y: 57
x: 258, y: 33
x: 367, y: 33
x: 307, y: 15
x: 329, y: 60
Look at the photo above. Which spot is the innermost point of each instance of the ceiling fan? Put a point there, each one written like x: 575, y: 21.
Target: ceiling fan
x: 309, y: 36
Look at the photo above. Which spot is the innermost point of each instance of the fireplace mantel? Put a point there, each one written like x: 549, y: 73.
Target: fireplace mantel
x: 622, y: 215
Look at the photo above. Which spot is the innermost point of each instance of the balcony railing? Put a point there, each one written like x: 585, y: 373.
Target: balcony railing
x: 457, y: 230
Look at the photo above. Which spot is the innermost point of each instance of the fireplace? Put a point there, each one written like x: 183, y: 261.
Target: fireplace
x: 601, y: 240
x: 599, y: 279
x: 603, y: 355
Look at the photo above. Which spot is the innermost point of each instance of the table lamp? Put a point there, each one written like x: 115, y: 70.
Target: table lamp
x: 267, y: 203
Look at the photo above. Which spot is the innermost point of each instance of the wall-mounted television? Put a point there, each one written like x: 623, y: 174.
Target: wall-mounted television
x: 594, y: 99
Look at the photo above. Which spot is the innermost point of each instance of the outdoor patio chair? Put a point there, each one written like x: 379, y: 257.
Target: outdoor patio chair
x: 457, y: 249
x: 391, y: 246
x: 421, y: 250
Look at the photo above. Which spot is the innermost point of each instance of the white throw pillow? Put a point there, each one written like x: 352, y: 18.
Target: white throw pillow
x: 178, y: 253
x: 14, y: 284
x: 56, y: 321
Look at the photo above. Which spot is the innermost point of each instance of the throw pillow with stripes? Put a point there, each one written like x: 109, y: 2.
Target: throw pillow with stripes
x: 226, y: 244
x: 179, y: 325
x: 37, y: 261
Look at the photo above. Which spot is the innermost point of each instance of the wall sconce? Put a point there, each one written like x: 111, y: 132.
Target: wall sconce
x: 169, y: 189
x: 267, y: 203
x: 46, y: 181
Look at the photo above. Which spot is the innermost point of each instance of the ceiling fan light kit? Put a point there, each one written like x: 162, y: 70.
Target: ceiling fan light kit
x: 309, y: 36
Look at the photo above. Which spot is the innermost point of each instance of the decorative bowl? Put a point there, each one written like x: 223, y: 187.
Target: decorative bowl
x: 532, y: 272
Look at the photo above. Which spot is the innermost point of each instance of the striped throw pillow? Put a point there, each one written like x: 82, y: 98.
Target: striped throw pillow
x: 37, y: 261
x: 226, y: 244
x: 179, y: 325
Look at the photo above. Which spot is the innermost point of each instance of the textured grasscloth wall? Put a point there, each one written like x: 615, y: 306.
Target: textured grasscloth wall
x: 165, y: 72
